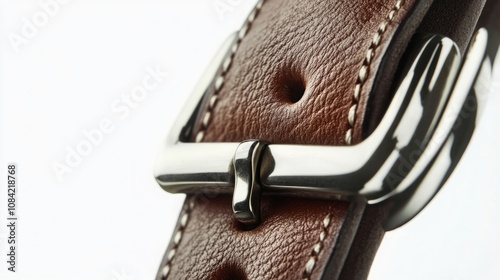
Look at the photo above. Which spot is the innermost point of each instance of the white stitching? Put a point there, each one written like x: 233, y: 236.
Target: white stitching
x: 311, y: 263
x: 177, y: 239
x: 219, y: 81
x: 365, y: 68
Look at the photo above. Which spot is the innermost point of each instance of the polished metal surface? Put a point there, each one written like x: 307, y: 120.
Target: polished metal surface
x: 246, y: 194
x: 404, y: 162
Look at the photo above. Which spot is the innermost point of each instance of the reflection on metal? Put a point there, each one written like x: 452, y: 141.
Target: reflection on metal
x: 246, y: 194
x: 404, y: 162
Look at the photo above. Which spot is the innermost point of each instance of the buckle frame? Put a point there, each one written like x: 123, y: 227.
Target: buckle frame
x: 404, y: 162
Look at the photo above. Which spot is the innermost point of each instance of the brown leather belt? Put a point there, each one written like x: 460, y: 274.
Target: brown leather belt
x: 305, y: 72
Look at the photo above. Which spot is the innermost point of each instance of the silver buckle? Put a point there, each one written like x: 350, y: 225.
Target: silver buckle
x: 404, y: 162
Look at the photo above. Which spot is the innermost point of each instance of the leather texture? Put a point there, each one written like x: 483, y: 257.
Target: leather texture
x: 303, y: 72
x: 318, y: 48
x: 278, y: 248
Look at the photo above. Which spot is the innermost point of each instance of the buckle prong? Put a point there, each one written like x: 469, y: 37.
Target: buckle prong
x: 247, y: 190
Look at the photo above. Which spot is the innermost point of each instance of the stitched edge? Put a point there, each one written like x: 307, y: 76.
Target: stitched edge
x: 177, y: 239
x: 219, y: 80
x: 365, y: 68
x: 311, y: 263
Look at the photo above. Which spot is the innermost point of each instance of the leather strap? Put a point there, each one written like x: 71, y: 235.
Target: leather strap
x: 304, y: 72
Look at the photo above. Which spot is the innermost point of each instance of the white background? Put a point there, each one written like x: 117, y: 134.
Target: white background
x: 107, y: 219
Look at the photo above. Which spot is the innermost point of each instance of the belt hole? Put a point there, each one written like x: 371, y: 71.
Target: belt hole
x: 290, y: 86
x: 228, y: 271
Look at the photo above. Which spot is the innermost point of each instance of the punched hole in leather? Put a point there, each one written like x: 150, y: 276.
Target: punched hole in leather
x: 228, y: 271
x: 290, y: 85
